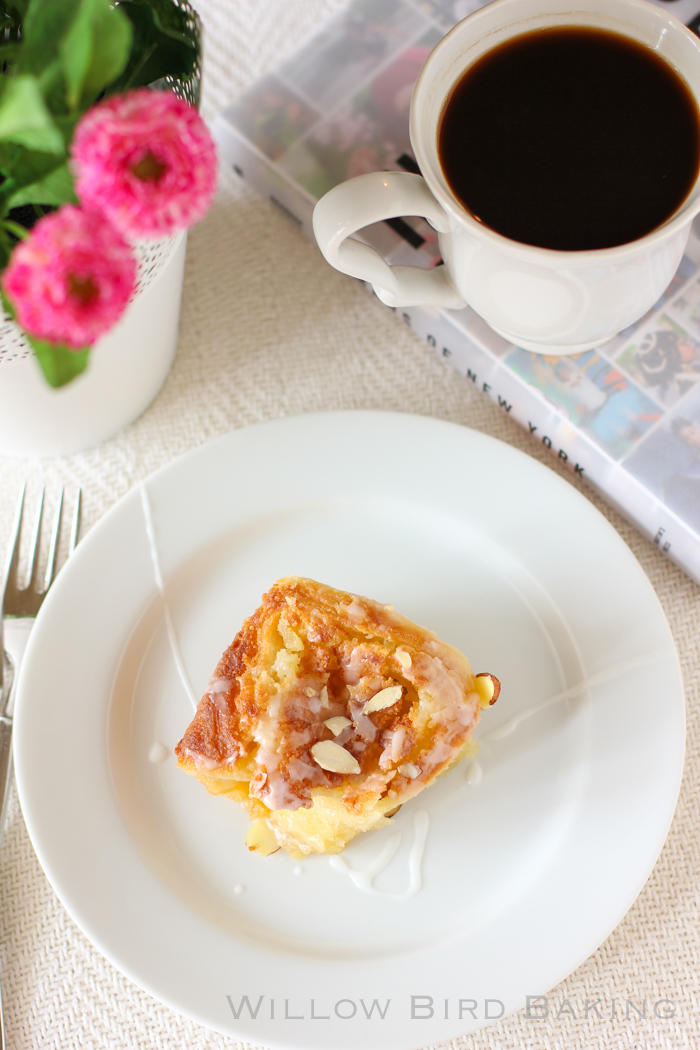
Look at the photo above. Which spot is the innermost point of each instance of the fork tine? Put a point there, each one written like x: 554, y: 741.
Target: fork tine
x: 50, y: 565
x: 75, y: 526
x: 35, y: 538
x: 13, y: 549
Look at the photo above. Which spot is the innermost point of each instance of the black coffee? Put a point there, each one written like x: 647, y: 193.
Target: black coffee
x: 571, y: 138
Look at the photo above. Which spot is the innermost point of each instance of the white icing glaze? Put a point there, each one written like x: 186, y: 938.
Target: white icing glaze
x: 353, y: 666
x: 475, y: 771
x: 218, y: 685
x: 446, y: 690
x: 364, y: 726
x: 293, y: 723
x: 610, y: 673
x: 398, y: 740
x: 202, y: 761
x: 172, y: 637
x: 286, y: 774
x: 398, y: 743
x: 158, y: 753
x: 280, y: 788
x: 217, y: 690
x: 363, y: 878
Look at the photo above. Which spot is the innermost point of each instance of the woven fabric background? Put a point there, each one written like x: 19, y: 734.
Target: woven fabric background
x: 268, y: 329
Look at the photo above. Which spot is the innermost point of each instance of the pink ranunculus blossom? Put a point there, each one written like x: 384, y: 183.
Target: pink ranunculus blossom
x: 72, y: 277
x: 147, y: 160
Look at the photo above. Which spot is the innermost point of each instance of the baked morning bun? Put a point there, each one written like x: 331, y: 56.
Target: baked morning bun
x: 328, y: 712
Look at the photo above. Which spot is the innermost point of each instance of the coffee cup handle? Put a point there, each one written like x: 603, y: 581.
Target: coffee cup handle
x: 372, y: 198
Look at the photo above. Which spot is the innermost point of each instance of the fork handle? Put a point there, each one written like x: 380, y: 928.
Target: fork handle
x: 16, y: 631
x: 5, y: 768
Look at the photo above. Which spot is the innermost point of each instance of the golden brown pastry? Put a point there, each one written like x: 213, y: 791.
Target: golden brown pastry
x: 328, y: 712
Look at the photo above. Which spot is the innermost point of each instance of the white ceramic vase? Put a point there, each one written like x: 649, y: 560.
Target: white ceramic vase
x: 126, y: 370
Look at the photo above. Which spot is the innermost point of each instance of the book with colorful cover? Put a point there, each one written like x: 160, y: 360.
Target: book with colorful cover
x: 626, y: 416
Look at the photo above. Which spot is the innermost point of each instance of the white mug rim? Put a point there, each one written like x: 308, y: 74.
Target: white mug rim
x: 428, y: 161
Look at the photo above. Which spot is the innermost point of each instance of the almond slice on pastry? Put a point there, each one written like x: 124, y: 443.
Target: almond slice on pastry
x: 328, y: 712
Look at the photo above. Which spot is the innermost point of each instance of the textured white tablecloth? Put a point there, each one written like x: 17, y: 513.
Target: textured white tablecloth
x: 268, y: 329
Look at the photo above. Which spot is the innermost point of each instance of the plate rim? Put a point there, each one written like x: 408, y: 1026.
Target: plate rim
x: 103, y: 526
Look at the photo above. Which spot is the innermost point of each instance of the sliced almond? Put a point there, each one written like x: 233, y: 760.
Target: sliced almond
x: 488, y: 688
x: 410, y: 770
x: 261, y: 839
x: 331, y: 756
x: 324, y: 696
x: 404, y: 658
x: 384, y: 698
x: 337, y: 724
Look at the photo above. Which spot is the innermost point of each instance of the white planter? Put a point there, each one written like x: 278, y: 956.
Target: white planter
x: 126, y: 370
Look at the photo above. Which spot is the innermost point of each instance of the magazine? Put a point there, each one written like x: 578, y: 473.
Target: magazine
x: 626, y: 416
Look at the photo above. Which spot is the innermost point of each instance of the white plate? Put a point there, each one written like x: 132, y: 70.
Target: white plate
x: 525, y: 873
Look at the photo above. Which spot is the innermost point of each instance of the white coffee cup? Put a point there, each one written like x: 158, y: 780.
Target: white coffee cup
x: 544, y: 300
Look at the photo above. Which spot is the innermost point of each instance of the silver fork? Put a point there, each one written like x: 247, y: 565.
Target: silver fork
x: 20, y: 606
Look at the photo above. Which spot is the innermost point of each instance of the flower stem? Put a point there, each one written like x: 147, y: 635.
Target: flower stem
x: 139, y: 66
x: 15, y: 229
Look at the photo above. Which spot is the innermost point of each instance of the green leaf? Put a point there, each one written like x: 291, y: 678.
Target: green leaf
x: 94, y: 50
x: 24, y: 118
x: 14, y: 228
x: 75, y: 51
x: 164, y: 44
x: 22, y: 167
x: 58, y: 363
x: 55, y: 188
x: 169, y: 19
x: 8, y: 54
x: 66, y: 125
x: 112, y: 45
x: 6, y: 247
x: 45, y: 25
x: 89, y: 39
x: 7, y: 306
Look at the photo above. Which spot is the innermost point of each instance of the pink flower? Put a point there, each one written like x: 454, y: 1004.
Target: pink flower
x: 147, y: 160
x: 71, y: 279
